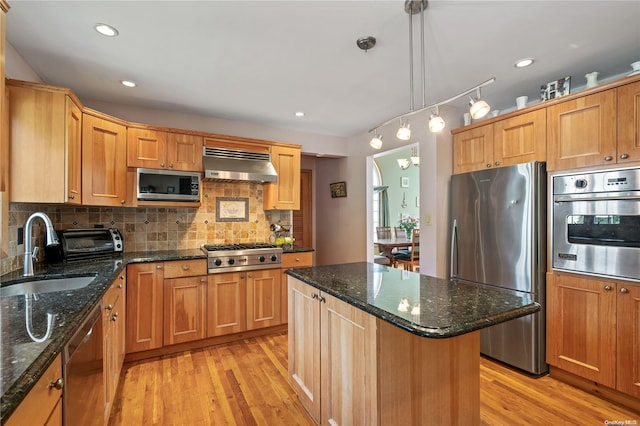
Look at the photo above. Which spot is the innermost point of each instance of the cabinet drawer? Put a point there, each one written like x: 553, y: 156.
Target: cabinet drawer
x: 41, y: 400
x: 295, y: 260
x: 114, y: 292
x: 185, y: 268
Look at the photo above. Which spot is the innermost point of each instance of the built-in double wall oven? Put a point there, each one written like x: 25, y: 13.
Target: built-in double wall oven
x: 596, y: 223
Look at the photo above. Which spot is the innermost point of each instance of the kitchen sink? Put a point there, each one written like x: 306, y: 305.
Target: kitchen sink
x: 46, y: 285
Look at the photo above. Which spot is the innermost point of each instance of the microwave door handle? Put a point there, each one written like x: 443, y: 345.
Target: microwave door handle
x: 454, y: 251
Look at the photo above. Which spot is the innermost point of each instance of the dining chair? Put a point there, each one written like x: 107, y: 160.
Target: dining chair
x: 410, y: 261
x: 401, y: 233
x: 383, y: 232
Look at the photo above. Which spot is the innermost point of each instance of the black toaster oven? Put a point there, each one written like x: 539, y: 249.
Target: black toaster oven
x: 76, y: 244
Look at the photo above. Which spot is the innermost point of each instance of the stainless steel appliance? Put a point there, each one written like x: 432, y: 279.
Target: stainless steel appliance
x: 498, y: 239
x: 78, y: 244
x: 83, y: 396
x: 230, y: 165
x: 242, y: 257
x: 167, y: 185
x: 596, y: 223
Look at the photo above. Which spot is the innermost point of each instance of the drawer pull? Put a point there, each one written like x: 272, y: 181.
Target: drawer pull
x: 322, y: 299
x: 623, y: 290
x: 185, y: 267
x: 108, y: 307
x: 58, y: 384
x: 624, y: 156
x: 314, y: 296
x: 158, y: 266
x: 608, y: 158
x: 297, y: 259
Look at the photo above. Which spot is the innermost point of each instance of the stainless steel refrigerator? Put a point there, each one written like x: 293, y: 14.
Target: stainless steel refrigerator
x: 498, y: 239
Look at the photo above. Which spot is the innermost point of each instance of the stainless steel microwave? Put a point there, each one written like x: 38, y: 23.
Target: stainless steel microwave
x: 168, y: 185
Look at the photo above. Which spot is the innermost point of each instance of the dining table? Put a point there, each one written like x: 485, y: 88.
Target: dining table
x: 387, y: 245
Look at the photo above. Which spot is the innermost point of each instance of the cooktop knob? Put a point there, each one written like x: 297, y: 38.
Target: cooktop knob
x: 218, y: 262
x: 274, y: 257
x: 231, y: 261
x: 261, y: 258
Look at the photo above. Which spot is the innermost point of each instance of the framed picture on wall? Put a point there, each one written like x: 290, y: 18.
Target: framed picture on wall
x: 338, y: 189
x: 404, y: 182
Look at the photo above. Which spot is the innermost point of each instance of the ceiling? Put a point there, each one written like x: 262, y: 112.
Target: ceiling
x: 261, y: 61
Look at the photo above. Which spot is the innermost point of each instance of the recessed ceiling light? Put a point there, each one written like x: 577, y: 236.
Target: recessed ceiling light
x: 523, y: 62
x: 299, y: 114
x: 106, y: 30
x: 128, y: 83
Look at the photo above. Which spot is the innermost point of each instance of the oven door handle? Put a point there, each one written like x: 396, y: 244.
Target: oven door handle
x: 635, y: 195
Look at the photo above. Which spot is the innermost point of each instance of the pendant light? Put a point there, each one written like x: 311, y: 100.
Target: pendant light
x: 477, y: 107
x: 404, y: 132
x: 376, y: 141
x: 436, y: 123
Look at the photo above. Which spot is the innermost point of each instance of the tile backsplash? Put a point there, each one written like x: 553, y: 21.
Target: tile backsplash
x: 151, y: 229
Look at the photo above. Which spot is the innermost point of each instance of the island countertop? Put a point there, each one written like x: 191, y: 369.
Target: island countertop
x: 433, y: 307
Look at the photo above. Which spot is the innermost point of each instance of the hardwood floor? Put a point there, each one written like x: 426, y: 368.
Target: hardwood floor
x: 245, y: 383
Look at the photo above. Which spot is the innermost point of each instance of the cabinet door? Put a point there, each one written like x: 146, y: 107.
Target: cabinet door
x: 104, y: 161
x: 113, y: 326
x: 581, y: 327
x: 226, y: 304
x: 184, y: 152
x: 146, y: 148
x: 628, y: 365
x: 184, y: 309
x: 304, y: 345
x: 144, y: 306
x: 629, y: 123
x: 520, y: 139
x: 291, y: 260
x: 74, y: 152
x: 473, y: 149
x: 263, y: 298
x: 582, y: 132
x: 285, y: 193
x: 348, y: 367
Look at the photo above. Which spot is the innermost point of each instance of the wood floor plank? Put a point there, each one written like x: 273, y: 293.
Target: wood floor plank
x: 245, y: 383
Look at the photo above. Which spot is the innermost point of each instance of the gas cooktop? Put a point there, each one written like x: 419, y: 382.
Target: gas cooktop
x: 241, y: 257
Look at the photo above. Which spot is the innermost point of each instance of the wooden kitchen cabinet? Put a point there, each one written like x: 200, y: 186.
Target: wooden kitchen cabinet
x: 629, y: 123
x: 185, y: 301
x: 43, y: 404
x: 581, y: 132
x: 514, y: 140
x: 104, y: 160
x: 226, y: 303
x: 46, y: 144
x: 593, y: 327
x: 291, y: 260
x: 263, y: 298
x: 155, y: 149
x: 114, y: 305
x: 144, y: 306
x: 284, y: 194
x: 332, y: 357
x: 4, y: 108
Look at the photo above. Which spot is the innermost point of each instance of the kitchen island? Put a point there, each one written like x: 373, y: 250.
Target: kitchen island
x: 369, y: 344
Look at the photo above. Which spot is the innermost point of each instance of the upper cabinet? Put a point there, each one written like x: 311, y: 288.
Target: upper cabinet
x: 582, y: 131
x: 629, y: 122
x: 104, y: 154
x: 285, y: 193
x: 517, y: 139
x: 163, y: 150
x: 4, y: 117
x: 46, y: 122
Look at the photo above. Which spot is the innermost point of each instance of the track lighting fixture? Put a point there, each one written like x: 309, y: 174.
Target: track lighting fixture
x: 478, y: 107
x: 404, y: 164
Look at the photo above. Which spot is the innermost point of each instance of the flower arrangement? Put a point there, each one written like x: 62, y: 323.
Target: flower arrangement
x: 408, y: 223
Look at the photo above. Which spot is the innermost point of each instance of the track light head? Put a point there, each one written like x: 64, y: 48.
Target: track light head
x: 376, y: 141
x: 436, y: 123
x: 404, y: 132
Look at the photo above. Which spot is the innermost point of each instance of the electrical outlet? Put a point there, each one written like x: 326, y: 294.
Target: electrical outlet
x: 427, y: 219
x: 20, y: 236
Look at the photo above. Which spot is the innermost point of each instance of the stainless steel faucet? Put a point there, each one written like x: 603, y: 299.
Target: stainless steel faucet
x: 29, y: 252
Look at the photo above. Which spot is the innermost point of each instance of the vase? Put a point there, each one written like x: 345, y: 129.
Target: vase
x: 592, y: 79
x: 636, y: 68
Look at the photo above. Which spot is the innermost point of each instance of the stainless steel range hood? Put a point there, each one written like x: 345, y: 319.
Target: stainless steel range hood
x: 228, y: 165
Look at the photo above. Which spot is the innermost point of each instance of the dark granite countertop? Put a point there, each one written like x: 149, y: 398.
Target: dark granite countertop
x: 446, y: 308
x: 296, y: 249
x: 23, y: 360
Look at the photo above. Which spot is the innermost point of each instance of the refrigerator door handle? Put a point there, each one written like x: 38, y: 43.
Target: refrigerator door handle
x: 454, y: 243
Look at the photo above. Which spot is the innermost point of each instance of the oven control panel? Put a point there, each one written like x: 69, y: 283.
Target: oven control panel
x: 614, y: 180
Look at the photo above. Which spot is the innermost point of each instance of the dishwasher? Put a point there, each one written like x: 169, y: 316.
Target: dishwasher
x: 83, y: 400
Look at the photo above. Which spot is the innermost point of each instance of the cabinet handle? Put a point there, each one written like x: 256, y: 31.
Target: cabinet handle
x: 249, y: 275
x: 171, y: 165
x: 120, y: 286
x: 108, y: 307
x: 158, y: 266
x: 608, y: 158
x: 58, y: 384
x: 497, y: 163
x: 297, y: 259
x: 321, y: 299
x: 489, y: 166
x: 607, y: 288
x: 623, y: 290
x: 161, y: 164
x: 114, y: 317
x: 122, y: 202
x: 314, y: 296
x: 71, y: 197
x: 122, y: 278
x: 203, y: 280
x: 185, y: 267
x: 624, y: 156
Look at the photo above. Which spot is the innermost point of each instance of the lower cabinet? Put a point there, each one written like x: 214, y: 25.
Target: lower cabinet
x: 226, y: 304
x: 114, y: 314
x: 43, y: 403
x: 332, y: 357
x: 593, y: 330
x: 144, y: 306
x: 263, y: 298
x: 291, y: 260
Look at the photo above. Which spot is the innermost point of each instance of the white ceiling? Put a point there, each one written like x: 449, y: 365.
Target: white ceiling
x: 260, y: 61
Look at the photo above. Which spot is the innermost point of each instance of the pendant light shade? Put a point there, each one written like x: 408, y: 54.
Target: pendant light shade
x: 436, y: 123
x: 376, y: 141
x: 477, y: 107
x: 404, y: 163
x: 404, y: 132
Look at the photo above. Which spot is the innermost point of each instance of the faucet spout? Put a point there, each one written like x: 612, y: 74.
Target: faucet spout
x: 50, y: 235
